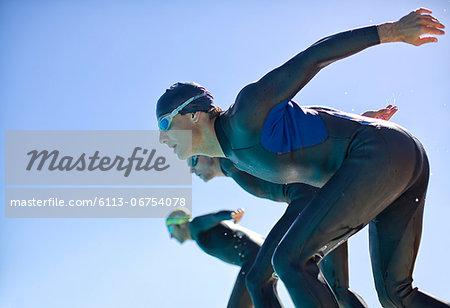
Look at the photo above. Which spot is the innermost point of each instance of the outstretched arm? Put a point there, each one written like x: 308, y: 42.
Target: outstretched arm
x: 256, y: 186
x: 205, y: 222
x: 286, y: 81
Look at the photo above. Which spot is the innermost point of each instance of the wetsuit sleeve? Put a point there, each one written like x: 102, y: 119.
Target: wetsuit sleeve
x: 253, y: 185
x: 284, y: 82
x: 205, y: 222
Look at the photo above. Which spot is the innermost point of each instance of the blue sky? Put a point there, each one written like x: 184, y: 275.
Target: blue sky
x: 103, y: 65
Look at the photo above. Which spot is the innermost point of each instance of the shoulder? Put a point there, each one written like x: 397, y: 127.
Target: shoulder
x: 246, y: 113
x: 196, y: 226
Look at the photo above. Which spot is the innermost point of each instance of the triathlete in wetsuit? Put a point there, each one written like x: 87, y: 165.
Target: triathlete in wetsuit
x: 368, y: 171
x: 261, y: 281
x: 222, y: 239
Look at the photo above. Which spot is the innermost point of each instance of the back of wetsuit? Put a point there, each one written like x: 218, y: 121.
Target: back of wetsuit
x: 313, y: 164
x: 267, y: 135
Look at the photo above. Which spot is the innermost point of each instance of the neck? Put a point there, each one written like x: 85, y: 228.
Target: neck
x: 218, y: 168
x: 188, y: 230
x: 210, y: 145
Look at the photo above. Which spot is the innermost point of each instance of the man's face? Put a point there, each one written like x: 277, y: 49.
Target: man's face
x: 205, y: 168
x: 178, y: 232
x: 175, y: 138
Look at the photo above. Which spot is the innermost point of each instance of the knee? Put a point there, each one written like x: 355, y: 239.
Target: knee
x: 283, y: 263
x: 286, y: 262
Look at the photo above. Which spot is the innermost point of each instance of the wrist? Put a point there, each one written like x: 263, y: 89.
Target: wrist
x: 387, y: 32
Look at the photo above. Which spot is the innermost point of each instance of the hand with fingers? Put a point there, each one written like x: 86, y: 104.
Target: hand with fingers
x: 237, y: 215
x: 384, y: 114
x: 414, y: 28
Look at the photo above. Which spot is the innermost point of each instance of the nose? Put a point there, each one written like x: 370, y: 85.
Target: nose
x: 162, y: 137
x: 171, y: 235
x: 192, y: 170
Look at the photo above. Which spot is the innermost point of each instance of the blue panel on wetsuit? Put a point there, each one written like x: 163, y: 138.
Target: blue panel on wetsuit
x: 288, y: 127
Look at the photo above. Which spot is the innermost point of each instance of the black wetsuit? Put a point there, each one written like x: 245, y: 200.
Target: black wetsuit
x: 369, y: 172
x: 260, y: 281
x: 230, y: 243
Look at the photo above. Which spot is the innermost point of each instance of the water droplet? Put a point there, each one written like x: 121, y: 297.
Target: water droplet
x: 226, y: 233
x: 234, y: 235
x: 235, y: 246
x: 417, y: 199
x: 243, y: 273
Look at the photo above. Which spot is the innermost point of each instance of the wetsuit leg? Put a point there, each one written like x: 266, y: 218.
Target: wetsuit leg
x: 379, y: 168
x: 260, y: 282
x: 334, y: 268
x: 240, y: 298
x: 394, y: 241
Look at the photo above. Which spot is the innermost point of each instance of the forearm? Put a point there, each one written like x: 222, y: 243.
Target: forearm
x: 252, y: 184
x: 287, y: 80
x: 342, y: 45
x: 204, y: 222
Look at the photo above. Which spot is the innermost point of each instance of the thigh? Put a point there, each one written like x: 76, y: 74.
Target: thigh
x: 301, y: 195
x: 377, y: 170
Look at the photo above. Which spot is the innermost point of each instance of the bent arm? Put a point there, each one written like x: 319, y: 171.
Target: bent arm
x: 252, y: 184
x: 205, y: 222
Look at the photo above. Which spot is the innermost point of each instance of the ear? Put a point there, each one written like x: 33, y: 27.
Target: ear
x: 195, y: 116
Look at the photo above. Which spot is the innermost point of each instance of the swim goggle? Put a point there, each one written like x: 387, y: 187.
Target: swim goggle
x: 165, y: 121
x: 193, y: 161
x: 173, y: 221
x: 171, y: 228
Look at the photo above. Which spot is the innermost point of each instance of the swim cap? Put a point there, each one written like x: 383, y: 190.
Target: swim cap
x: 180, y: 92
x: 178, y: 216
x: 176, y: 220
